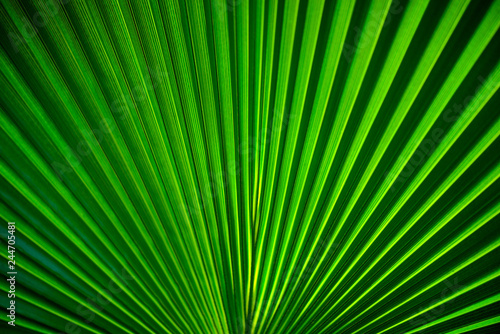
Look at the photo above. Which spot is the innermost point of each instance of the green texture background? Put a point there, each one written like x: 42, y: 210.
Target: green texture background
x: 251, y: 166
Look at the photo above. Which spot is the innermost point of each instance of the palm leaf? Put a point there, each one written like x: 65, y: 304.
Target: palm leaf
x: 236, y: 166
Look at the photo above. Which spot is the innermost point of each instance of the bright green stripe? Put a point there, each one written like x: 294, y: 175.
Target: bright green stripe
x: 481, y: 324
x: 466, y: 310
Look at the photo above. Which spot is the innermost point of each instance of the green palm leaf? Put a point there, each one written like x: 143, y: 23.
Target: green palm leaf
x: 236, y: 166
